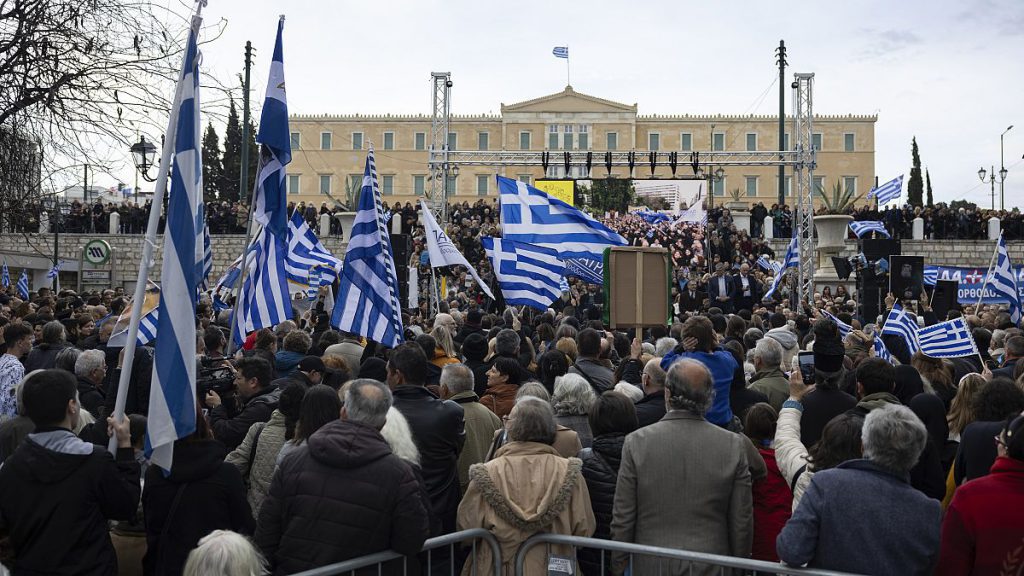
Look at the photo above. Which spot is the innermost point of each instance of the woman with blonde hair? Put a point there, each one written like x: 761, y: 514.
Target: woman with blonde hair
x: 444, y: 347
x: 937, y: 375
x: 567, y: 346
x: 961, y: 412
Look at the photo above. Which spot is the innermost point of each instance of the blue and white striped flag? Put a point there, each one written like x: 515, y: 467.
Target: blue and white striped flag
x: 527, y: 274
x: 1003, y: 282
x: 902, y: 323
x: 368, y: 302
x: 148, y: 324
x: 763, y: 262
x: 305, y: 251
x: 54, y: 271
x: 172, y: 395
x: 951, y: 339
x: 561, y: 51
x: 931, y: 275
x: 23, y: 285
x: 792, y: 260
x: 5, y: 276
x: 564, y: 284
x: 881, y: 351
x: 863, y: 227
x: 585, y: 269
x: 314, y: 283
x: 844, y: 328
x: 207, y: 261
x: 531, y: 216
x: 891, y: 190
x: 265, y: 299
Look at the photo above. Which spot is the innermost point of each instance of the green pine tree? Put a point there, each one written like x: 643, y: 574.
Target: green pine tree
x: 928, y: 187
x: 231, y: 164
x: 213, y: 169
x: 254, y: 156
x: 915, y: 188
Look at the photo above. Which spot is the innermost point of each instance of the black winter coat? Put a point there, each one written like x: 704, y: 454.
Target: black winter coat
x: 212, y: 498
x: 230, y: 425
x: 43, y: 356
x: 341, y: 495
x: 650, y: 408
x: 601, y: 471
x: 90, y: 397
x: 439, y: 430
x: 56, y: 505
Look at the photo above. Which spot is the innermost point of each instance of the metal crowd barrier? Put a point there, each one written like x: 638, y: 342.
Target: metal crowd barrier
x: 448, y: 541
x: 696, y: 561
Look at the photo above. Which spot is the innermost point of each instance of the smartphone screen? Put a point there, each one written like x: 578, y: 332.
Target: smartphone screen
x: 807, y: 367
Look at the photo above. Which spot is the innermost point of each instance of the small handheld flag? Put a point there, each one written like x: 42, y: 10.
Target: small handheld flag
x: 951, y: 339
x: 23, y: 285
x: 891, y: 190
x: 863, y: 227
x: 5, y: 278
x: 902, y: 323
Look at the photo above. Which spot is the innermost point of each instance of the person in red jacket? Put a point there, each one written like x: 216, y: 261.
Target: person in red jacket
x: 983, y: 532
x: 773, y: 499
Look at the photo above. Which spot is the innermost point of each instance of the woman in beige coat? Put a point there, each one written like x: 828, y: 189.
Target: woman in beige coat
x: 527, y: 489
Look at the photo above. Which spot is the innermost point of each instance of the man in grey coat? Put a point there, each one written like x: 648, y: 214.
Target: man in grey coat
x: 684, y: 482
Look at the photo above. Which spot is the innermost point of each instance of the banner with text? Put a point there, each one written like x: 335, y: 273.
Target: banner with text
x: 970, y: 281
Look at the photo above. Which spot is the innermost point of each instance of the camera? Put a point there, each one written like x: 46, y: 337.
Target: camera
x: 219, y: 379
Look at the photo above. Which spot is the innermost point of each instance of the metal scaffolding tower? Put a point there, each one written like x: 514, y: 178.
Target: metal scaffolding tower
x: 439, y: 128
x: 803, y: 176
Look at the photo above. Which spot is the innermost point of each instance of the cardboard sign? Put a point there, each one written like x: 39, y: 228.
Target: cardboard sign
x: 637, y: 286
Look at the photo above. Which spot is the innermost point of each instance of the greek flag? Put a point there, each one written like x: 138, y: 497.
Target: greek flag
x: 931, y: 275
x: 844, y: 328
x: 265, y: 300
x: 791, y: 260
x: 368, y: 292
x: 951, y: 339
x: 5, y: 276
x: 561, y: 51
x: 527, y: 274
x: 903, y: 324
x: 762, y: 261
x: 314, y: 283
x: 148, y: 324
x: 881, y: 351
x: 1002, y: 281
x: 172, y: 395
x: 863, y: 227
x: 305, y: 251
x: 564, y: 284
x: 54, y: 271
x: 652, y: 217
x: 207, y: 253
x: 23, y: 285
x: 531, y: 216
x: 888, y: 192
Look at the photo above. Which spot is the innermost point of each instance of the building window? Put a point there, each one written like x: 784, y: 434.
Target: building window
x: 389, y: 140
x: 751, y: 142
x: 789, y: 184
x: 654, y: 141
x: 553, y: 137
x: 583, y: 140
x: 819, y: 184
x: 420, y: 140
x: 751, y: 182
x: 293, y: 184
x: 295, y: 140
x: 567, y: 136
x: 387, y: 184
x: 419, y: 185
x: 719, y: 187
x: 355, y: 183
x: 850, y: 184
x: 453, y: 141
x: 357, y: 140
x: 524, y: 140
x: 481, y: 184
x: 325, y: 183
x: 452, y: 184
x: 325, y: 140
x: 816, y: 141
x: 718, y: 141
x: 525, y: 178
x: 612, y: 140
x: 848, y: 142
x: 482, y: 141
x: 686, y: 141
x: 785, y: 141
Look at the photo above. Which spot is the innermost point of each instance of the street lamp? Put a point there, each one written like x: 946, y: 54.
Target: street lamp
x: 991, y: 180
x: 1002, y: 168
x: 144, y: 154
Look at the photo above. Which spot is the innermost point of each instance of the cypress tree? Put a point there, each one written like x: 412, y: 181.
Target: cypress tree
x: 915, y: 188
x: 232, y: 162
x: 213, y: 169
x: 928, y: 187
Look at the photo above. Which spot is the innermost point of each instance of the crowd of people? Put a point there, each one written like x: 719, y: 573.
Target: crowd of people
x: 313, y: 446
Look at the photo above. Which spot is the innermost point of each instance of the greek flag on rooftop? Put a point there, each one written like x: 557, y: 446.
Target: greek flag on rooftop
x: 791, y: 260
x: 5, y: 276
x: 951, y: 339
x: 368, y: 288
x: 865, y: 226
x: 531, y: 216
x: 172, y: 397
x: 1003, y: 282
x: 891, y: 190
x: 561, y: 51
x: 844, y: 328
x: 527, y: 274
x: 265, y: 300
x: 881, y: 351
x: 902, y: 323
x: 305, y: 251
x: 23, y: 285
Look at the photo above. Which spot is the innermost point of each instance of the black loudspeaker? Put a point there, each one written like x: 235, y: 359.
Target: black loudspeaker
x: 878, y: 248
x: 843, y: 268
x: 401, y: 246
x: 869, y: 302
x: 945, y: 297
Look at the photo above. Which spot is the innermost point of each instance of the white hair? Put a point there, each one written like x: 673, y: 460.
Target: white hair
x: 769, y: 351
x: 573, y: 395
x: 631, y: 391
x: 398, y: 435
x: 665, y: 345
x: 893, y: 438
x: 89, y: 361
x: 224, y: 553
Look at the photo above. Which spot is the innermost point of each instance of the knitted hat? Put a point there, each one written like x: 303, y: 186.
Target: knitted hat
x: 474, y: 347
x: 828, y: 354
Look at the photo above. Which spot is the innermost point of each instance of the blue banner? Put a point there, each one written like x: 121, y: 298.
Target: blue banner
x: 970, y: 282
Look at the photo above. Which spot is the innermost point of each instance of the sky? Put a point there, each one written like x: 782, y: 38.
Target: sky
x: 947, y: 72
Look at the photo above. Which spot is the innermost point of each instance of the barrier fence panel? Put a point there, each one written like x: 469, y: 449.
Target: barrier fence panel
x: 669, y: 562
x: 443, y: 547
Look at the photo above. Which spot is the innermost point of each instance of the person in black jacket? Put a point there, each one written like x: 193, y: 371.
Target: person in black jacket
x: 438, y: 429
x: 201, y: 494
x: 57, y: 492
x: 343, y: 494
x: 254, y: 401
x: 651, y: 407
x: 43, y: 356
x: 91, y: 370
x: 612, y: 417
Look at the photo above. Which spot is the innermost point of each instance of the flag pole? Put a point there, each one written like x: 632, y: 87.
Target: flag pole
x: 240, y: 286
x: 568, y: 80
x: 988, y: 273
x: 150, y: 242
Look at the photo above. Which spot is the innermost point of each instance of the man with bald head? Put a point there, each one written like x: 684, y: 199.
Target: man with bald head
x: 684, y: 482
